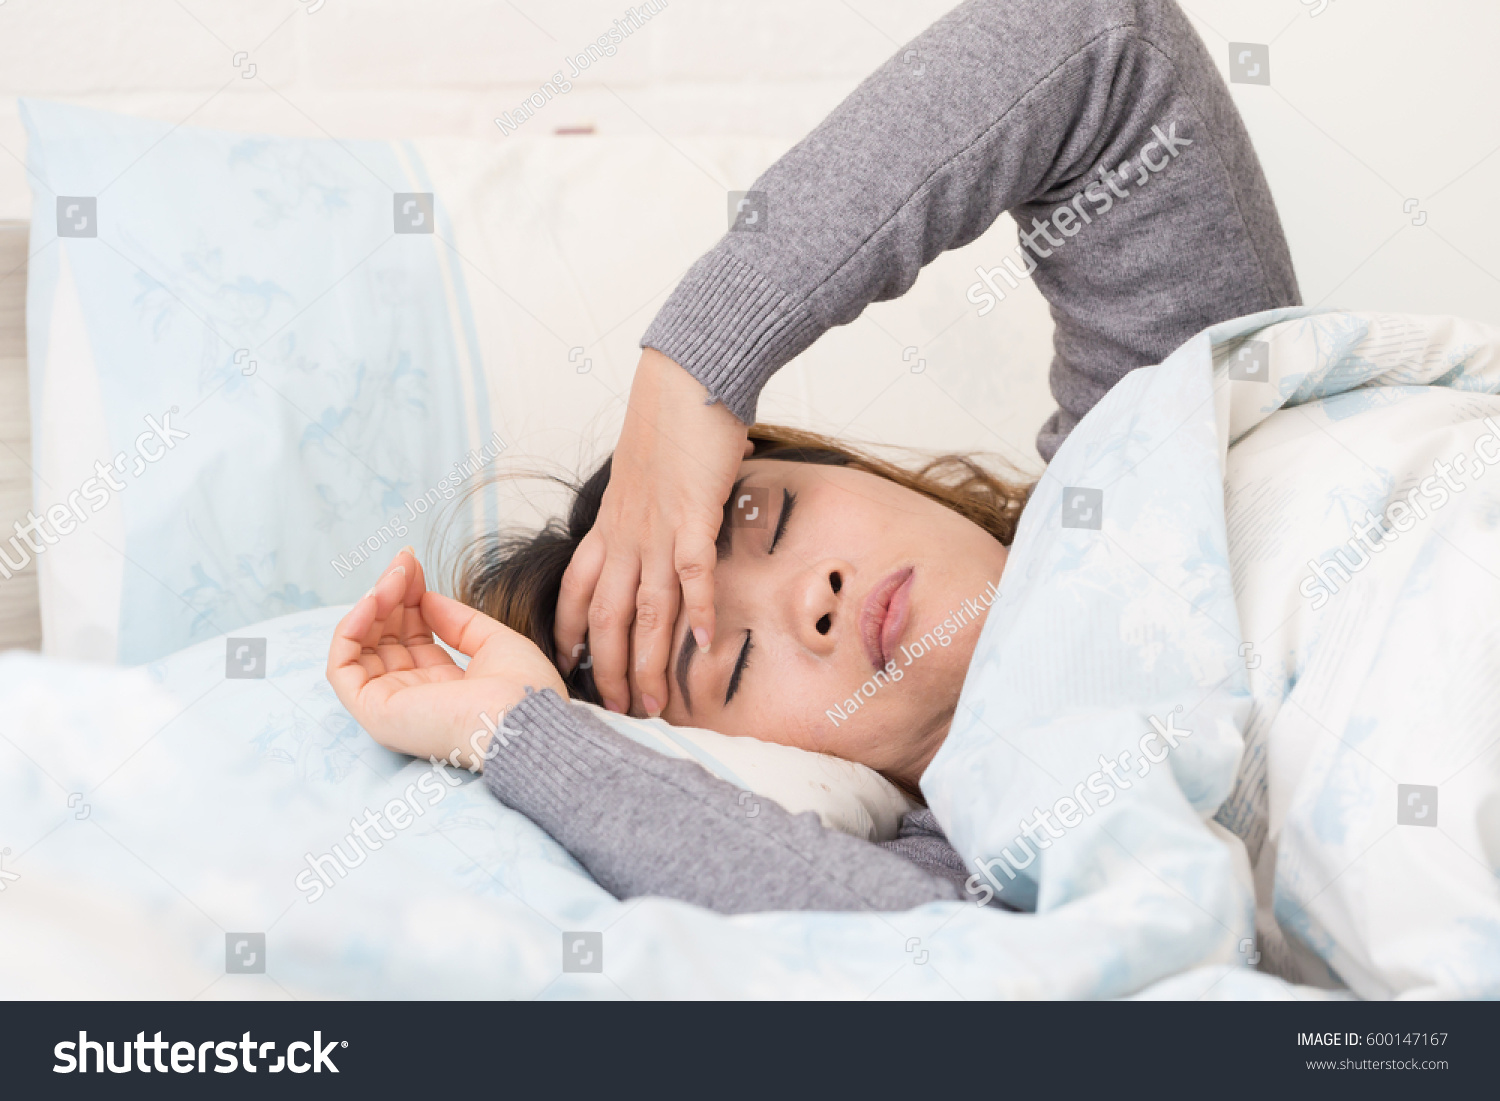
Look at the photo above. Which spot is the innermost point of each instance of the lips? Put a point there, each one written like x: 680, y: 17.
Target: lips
x: 882, y: 620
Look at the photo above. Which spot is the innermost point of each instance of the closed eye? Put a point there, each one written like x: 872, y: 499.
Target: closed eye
x: 788, y: 502
x: 739, y: 669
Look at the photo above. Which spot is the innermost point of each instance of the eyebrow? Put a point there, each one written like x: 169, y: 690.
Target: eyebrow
x: 685, y: 655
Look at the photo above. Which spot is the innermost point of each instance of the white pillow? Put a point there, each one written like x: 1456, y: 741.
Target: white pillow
x: 847, y: 797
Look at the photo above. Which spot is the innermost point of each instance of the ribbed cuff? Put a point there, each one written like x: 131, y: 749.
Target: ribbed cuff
x: 543, y: 758
x: 732, y: 329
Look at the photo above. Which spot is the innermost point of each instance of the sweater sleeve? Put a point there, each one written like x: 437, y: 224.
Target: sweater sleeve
x: 644, y: 824
x: 1004, y: 105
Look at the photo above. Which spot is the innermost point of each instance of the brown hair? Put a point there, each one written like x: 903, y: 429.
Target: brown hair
x: 515, y: 577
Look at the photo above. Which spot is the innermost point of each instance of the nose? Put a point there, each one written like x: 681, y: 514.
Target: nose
x: 817, y: 606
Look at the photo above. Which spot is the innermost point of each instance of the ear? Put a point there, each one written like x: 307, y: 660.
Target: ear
x: 749, y: 449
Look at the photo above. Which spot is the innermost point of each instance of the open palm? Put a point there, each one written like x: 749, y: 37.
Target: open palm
x: 407, y: 691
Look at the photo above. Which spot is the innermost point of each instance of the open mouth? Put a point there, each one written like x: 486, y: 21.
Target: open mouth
x: 882, y: 621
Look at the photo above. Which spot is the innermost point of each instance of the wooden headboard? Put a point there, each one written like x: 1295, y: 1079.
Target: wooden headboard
x: 20, y: 618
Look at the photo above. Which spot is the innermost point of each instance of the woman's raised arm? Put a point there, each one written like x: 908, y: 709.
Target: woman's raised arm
x: 1102, y: 125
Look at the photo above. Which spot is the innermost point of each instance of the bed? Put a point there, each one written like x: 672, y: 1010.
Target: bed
x: 251, y: 288
x: 176, y: 775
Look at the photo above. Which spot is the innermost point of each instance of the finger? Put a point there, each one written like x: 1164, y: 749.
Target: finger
x: 694, y: 557
x: 570, y: 629
x: 407, y: 627
x: 416, y: 578
x: 388, y: 593
x: 610, y: 614
x: 414, y: 631
x: 385, y: 596
x: 410, y: 595
x: 655, y: 616
x: 345, y: 672
x: 464, y: 628
x: 391, y: 617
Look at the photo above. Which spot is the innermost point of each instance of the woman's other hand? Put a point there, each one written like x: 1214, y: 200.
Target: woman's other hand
x: 673, y: 469
x: 406, y: 690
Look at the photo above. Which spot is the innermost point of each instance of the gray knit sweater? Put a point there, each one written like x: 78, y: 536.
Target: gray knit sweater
x: 1108, y: 111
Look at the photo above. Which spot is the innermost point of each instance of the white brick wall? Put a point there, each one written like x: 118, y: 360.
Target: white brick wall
x: 1371, y: 103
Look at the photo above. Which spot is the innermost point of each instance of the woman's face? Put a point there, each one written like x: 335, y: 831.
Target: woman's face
x: 836, y: 585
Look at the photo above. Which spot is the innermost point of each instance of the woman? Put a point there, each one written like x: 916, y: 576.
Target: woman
x: 831, y: 569
x: 1106, y: 130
